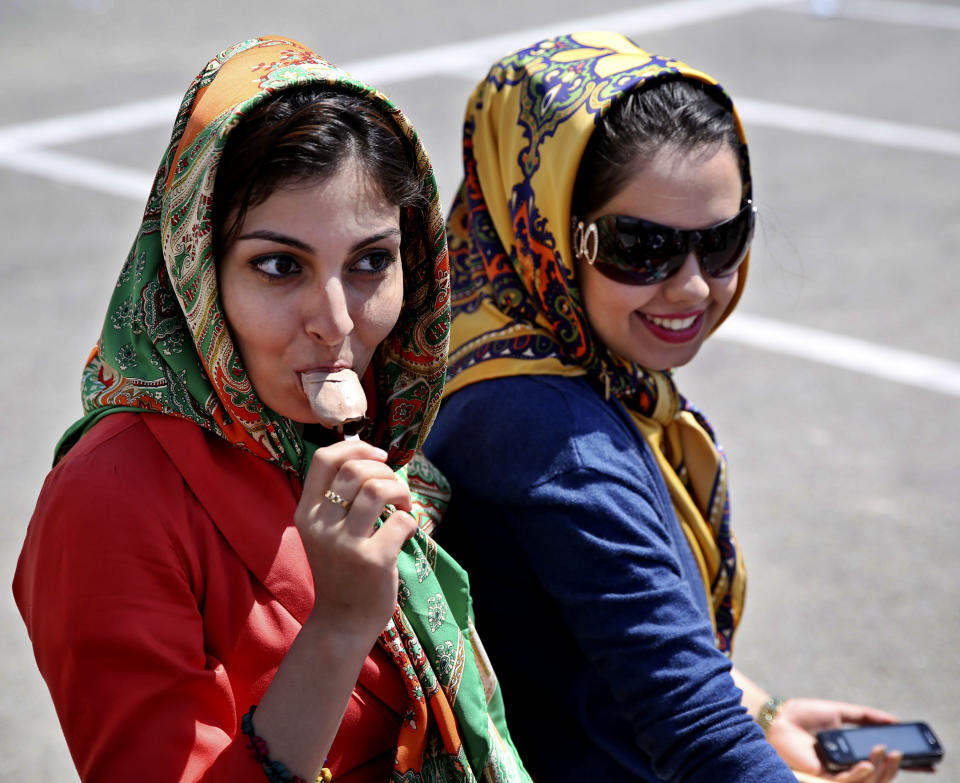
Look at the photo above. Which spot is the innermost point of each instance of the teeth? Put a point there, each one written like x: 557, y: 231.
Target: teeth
x: 672, y: 323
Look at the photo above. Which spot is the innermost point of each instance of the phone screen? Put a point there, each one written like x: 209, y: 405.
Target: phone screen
x: 905, y: 737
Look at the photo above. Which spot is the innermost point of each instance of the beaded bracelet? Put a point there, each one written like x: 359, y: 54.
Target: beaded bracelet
x: 274, y: 770
x: 769, y: 711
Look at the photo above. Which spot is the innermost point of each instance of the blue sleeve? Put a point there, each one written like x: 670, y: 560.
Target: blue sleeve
x: 584, y: 584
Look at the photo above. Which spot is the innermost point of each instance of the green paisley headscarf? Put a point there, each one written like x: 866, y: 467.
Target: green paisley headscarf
x: 165, y: 345
x: 165, y: 348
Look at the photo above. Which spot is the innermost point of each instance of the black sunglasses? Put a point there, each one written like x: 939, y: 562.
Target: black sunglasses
x: 640, y: 252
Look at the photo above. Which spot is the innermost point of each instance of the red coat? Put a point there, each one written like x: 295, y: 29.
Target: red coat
x: 162, y: 581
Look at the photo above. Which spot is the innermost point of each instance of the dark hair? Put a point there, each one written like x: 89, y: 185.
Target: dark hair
x: 307, y: 134
x: 679, y: 113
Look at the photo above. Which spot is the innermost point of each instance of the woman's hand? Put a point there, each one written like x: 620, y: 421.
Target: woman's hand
x: 355, y: 591
x: 354, y: 566
x: 793, y: 734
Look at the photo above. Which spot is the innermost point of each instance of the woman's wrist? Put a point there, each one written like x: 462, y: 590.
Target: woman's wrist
x: 299, y: 714
x: 769, y: 711
x: 340, y: 638
x: 275, y: 771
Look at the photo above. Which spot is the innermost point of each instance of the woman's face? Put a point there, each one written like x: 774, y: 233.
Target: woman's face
x: 313, y: 281
x: 663, y: 325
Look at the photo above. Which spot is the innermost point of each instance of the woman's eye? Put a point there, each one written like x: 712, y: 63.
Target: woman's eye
x: 276, y: 266
x: 375, y: 262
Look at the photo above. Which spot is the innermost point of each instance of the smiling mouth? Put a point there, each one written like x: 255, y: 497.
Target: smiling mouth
x: 673, y: 329
x: 673, y: 324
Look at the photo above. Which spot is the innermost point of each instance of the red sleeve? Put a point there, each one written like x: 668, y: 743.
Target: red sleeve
x: 112, y: 596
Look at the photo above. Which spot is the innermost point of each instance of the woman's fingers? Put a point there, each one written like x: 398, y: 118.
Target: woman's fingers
x: 881, y: 767
x: 354, y: 563
x: 328, y: 461
x: 861, y: 772
x: 885, y: 765
x: 398, y: 528
x: 891, y: 766
x: 346, y: 489
x: 358, y: 479
x: 369, y: 501
x: 343, y: 475
x: 860, y: 714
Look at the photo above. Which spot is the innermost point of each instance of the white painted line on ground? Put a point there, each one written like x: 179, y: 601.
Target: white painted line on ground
x: 71, y: 128
x: 893, y: 11
x: 849, y: 353
x: 84, y: 172
x: 17, y: 153
x: 478, y: 55
x: 461, y: 58
x: 132, y: 117
x: 454, y: 58
x: 847, y: 126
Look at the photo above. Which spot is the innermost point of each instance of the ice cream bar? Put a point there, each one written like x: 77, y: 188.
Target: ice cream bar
x: 337, y: 398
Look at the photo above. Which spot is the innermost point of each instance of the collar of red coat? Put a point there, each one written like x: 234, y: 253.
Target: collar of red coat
x: 229, y: 482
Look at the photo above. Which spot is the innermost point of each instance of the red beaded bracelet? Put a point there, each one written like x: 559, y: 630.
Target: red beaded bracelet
x: 275, y: 771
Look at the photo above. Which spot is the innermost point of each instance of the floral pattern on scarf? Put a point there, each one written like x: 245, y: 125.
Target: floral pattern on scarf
x: 166, y: 348
x: 516, y: 306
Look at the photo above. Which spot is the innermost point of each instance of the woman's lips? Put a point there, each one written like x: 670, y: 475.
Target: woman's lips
x: 673, y: 328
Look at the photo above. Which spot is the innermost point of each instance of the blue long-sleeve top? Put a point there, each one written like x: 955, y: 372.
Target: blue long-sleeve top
x: 586, y: 592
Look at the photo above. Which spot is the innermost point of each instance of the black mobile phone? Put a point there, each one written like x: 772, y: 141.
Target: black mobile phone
x: 842, y: 748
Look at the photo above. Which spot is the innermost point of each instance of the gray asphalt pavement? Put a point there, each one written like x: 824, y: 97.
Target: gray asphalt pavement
x: 836, y: 393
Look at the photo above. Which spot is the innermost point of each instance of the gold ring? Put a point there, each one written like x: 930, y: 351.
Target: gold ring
x: 333, y: 497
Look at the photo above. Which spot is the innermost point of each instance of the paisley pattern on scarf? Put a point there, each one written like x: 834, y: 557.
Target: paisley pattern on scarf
x: 165, y: 347
x: 516, y: 306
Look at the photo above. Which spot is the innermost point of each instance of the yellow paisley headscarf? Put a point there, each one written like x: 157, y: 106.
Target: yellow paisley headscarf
x: 516, y: 306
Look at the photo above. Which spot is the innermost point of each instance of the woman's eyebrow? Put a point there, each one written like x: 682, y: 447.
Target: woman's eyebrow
x: 387, y: 233
x: 283, y: 239
x: 273, y: 236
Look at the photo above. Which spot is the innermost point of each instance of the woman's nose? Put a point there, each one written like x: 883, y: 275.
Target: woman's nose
x: 327, y: 313
x: 689, y: 283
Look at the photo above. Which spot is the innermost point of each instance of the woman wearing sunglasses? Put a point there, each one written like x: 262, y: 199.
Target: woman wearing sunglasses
x: 600, y: 236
